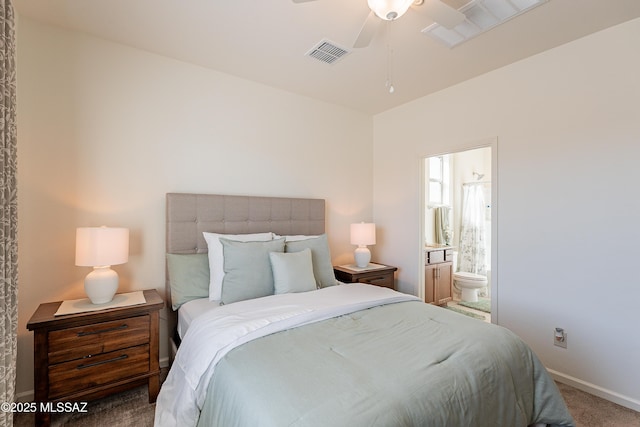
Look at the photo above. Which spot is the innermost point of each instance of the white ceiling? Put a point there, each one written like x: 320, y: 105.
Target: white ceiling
x: 266, y: 41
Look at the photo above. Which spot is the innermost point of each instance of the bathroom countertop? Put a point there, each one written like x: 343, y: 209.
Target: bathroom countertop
x: 434, y: 247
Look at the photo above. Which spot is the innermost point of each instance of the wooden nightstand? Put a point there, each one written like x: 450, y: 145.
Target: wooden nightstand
x: 382, y: 276
x: 86, y: 356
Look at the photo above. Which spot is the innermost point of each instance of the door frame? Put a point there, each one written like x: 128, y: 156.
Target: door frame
x: 495, y: 276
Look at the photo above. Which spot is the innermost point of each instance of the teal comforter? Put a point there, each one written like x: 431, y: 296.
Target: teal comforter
x: 402, y: 364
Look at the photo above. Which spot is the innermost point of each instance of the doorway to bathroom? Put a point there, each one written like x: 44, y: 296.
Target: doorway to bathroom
x: 459, y: 220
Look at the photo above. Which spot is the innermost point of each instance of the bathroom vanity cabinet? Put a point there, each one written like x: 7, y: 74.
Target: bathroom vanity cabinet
x: 438, y: 281
x: 438, y: 275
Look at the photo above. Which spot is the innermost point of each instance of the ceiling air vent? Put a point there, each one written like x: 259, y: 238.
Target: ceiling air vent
x: 327, y: 52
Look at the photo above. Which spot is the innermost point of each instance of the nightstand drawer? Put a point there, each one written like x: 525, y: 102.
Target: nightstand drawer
x: 70, y: 377
x: 377, y: 274
x: 76, y: 343
x: 385, y: 280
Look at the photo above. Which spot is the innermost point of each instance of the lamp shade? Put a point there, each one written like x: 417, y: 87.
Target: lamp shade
x: 99, y: 246
x: 389, y: 9
x: 363, y: 233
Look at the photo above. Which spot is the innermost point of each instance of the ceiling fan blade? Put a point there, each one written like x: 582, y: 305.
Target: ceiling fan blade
x: 367, y: 31
x: 441, y: 13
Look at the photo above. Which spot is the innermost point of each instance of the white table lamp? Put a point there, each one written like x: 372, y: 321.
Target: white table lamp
x: 363, y: 234
x: 100, y: 248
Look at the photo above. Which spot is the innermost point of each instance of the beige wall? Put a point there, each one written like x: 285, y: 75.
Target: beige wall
x: 106, y: 130
x: 568, y: 129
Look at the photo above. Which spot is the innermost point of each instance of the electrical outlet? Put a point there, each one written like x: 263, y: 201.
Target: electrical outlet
x: 560, y: 337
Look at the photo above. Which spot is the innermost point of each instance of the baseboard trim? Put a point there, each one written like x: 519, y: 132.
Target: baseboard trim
x: 604, y: 393
x: 25, y: 396
x: 164, y: 362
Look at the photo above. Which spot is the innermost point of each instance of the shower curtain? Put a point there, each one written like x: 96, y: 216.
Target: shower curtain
x: 472, y: 247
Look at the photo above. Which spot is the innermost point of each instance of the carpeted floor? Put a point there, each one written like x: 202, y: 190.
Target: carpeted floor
x: 132, y: 409
x: 591, y: 411
x: 127, y: 409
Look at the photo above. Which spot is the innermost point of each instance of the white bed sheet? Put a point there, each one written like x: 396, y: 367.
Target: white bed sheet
x: 192, y: 309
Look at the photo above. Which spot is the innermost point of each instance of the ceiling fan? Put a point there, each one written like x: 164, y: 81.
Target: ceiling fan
x: 390, y: 10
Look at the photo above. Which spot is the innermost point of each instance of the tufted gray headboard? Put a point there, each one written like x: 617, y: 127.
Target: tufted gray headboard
x: 188, y: 215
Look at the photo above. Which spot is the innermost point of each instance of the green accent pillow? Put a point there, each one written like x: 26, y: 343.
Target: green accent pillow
x: 247, y: 269
x: 292, y: 272
x: 321, y: 257
x: 188, y: 277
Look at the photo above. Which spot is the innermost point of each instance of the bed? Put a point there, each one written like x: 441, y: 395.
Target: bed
x: 323, y: 353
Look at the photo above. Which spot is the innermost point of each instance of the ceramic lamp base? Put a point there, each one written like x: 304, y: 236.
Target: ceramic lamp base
x: 362, y: 256
x: 101, y: 285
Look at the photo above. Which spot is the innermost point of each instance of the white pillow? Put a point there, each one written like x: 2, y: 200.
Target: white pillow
x: 294, y: 238
x: 216, y: 257
x: 292, y: 272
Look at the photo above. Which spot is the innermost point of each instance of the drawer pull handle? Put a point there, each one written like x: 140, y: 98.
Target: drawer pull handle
x: 116, y: 328
x: 90, y: 365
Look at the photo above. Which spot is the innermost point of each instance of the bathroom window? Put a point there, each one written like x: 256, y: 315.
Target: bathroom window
x: 439, y: 181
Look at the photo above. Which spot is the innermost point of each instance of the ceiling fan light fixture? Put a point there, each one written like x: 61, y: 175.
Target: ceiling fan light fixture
x: 389, y: 10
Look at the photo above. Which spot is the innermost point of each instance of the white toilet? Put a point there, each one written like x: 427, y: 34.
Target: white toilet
x: 468, y: 284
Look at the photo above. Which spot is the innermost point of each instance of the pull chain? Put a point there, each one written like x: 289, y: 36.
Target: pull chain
x: 389, y: 82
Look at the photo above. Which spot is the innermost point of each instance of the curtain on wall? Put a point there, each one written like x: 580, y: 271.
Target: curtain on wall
x: 8, y: 210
